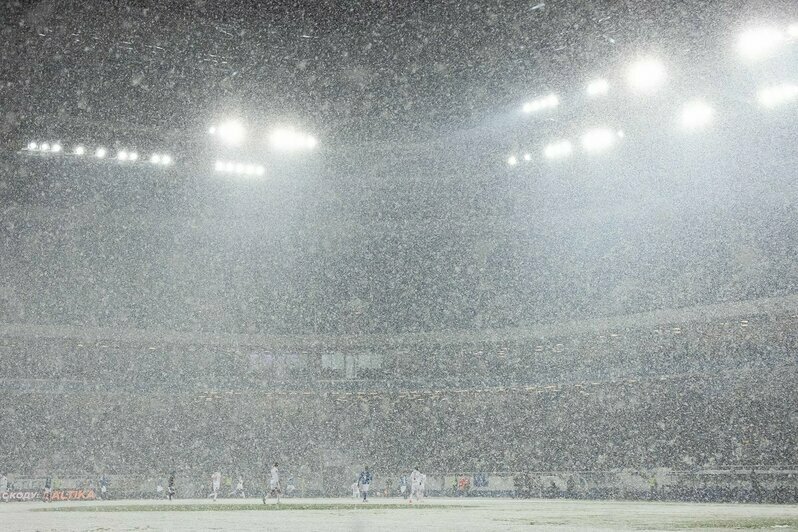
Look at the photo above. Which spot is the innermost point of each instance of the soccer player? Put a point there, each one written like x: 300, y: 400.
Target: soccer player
x: 364, y: 482
x: 274, y: 484
x: 216, y: 482
x: 240, y: 487
x: 170, y: 490
x: 48, y: 489
x: 415, y: 485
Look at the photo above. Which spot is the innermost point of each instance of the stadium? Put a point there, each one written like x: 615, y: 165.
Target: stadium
x: 545, y: 254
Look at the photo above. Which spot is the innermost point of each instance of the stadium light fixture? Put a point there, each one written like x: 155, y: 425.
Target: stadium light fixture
x: 512, y: 160
x: 646, y: 75
x: 79, y: 150
x: 558, y: 150
x: 229, y: 167
x: 792, y: 30
x: 546, y: 102
x: 599, y: 139
x: 759, y: 43
x: 696, y: 115
x: 155, y: 158
x: 45, y: 146
x: 133, y: 156
x: 598, y: 87
x: 56, y: 148
x: 285, y: 139
x: 527, y: 157
x: 100, y: 153
x: 32, y: 146
x: 122, y: 155
x: 231, y: 132
x: 776, y: 95
x: 166, y: 159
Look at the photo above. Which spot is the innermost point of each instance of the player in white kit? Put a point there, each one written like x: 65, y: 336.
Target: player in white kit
x: 216, y: 482
x: 415, y: 485
x: 274, y: 484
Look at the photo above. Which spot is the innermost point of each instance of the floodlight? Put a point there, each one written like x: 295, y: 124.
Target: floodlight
x: 527, y: 157
x: 212, y: 130
x: 219, y: 166
x: 598, y: 140
x: 696, y: 114
x: 55, y: 148
x: 239, y: 168
x: 792, y: 30
x: 759, y: 43
x: 598, y: 87
x: 155, y: 158
x: 290, y: 140
x: 259, y: 170
x: 122, y: 155
x: 79, y: 150
x: 231, y: 132
x: 249, y: 169
x: 558, y: 150
x: 776, y: 95
x: 100, y: 153
x: 166, y: 160
x: 229, y: 167
x: 546, y: 102
x: 133, y: 156
x: 33, y: 146
x: 513, y: 160
x: 646, y: 75
x: 45, y: 146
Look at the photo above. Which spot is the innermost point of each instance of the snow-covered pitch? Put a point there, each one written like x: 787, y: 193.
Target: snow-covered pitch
x: 385, y: 514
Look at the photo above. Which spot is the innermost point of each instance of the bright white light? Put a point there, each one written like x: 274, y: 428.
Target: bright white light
x: 249, y: 169
x: 646, y: 75
x: 778, y: 94
x: 231, y: 132
x: 696, y: 114
x: 290, y: 140
x: 166, y: 160
x: 229, y: 167
x: 133, y: 156
x: 558, y: 150
x: 759, y: 43
x: 45, y: 146
x: 122, y: 155
x: 155, y: 158
x: 546, y: 102
x: 33, y: 146
x: 79, y: 150
x: 598, y: 87
x: 219, y: 166
x: 55, y: 148
x: 512, y: 160
x: 259, y: 170
x: 527, y: 157
x: 598, y: 140
x: 239, y: 168
x: 100, y: 153
x: 212, y: 130
x: 792, y: 30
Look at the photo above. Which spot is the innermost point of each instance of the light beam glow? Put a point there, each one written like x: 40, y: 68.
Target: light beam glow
x: 776, y: 95
x: 696, y: 114
x: 759, y: 43
x: 646, y: 75
x: 598, y: 140
x: 598, y: 87
x: 558, y: 150
x: 546, y: 102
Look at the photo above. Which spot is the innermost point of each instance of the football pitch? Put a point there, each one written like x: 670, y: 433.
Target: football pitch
x: 385, y: 514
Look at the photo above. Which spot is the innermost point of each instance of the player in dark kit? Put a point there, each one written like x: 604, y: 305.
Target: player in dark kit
x: 170, y: 490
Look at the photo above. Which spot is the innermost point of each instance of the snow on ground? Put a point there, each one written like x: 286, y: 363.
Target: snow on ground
x: 436, y: 514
